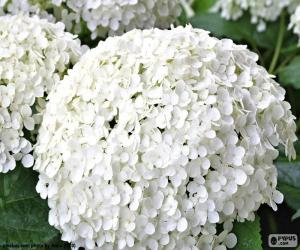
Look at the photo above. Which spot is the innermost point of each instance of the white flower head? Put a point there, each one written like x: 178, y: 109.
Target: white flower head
x: 157, y: 136
x: 295, y: 22
x: 34, y: 54
x: 103, y: 17
x: 261, y: 11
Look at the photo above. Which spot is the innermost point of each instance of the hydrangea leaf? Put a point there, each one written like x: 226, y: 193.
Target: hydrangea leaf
x: 289, y: 172
x: 289, y: 181
x: 291, y: 195
x: 24, y: 216
x: 290, y: 74
x: 238, y: 31
x: 296, y: 215
x: 248, y: 235
x: 290, y: 47
x: 203, y: 5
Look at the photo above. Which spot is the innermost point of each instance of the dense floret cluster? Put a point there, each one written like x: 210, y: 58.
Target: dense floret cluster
x: 103, y: 17
x: 155, y: 137
x: 34, y: 55
x: 261, y: 11
x: 295, y: 21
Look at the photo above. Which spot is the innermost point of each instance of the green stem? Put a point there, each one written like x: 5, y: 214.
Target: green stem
x: 278, y: 43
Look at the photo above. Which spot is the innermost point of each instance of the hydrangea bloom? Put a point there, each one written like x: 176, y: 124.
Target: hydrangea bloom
x: 295, y: 22
x: 102, y: 17
x: 261, y: 11
x: 155, y: 137
x: 34, y: 54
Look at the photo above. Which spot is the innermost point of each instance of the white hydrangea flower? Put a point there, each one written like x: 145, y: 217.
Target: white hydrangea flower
x: 157, y: 136
x: 108, y: 16
x: 34, y: 54
x: 295, y: 22
x: 261, y: 11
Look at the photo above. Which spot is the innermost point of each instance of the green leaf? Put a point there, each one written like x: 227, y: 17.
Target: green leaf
x: 289, y: 172
x: 289, y: 181
x: 203, y: 5
x: 24, y: 215
x: 183, y: 19
x: 248, y: 235
x: 291, y: 195
x: 221, y: 27
x: 240, y: 30
x: 291, y: 47
x: 296, y: 215
x: 290, y: 74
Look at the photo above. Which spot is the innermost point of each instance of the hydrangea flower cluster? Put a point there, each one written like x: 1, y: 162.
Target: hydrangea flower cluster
x: 102, y: 17
x: 295, y: 22
x: 34, y: 54
x: 157, y: 136
x: 261, y: 11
